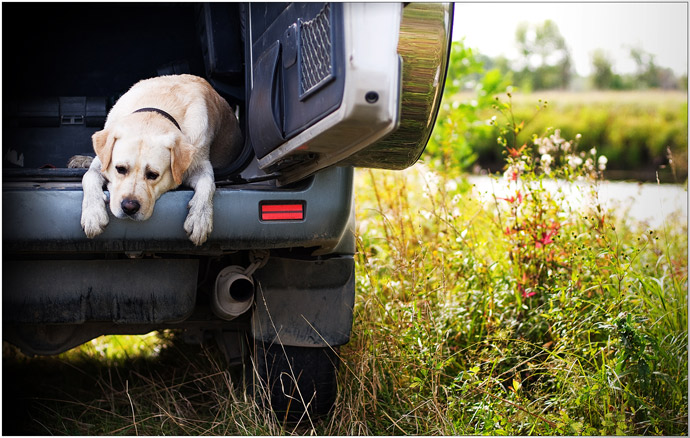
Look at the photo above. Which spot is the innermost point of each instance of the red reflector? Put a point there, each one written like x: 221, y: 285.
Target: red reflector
x: 282, y: 212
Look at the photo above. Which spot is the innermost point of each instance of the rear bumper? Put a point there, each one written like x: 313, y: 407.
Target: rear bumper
x: 39, y: 220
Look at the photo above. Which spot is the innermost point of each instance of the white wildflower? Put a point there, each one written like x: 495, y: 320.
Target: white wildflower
x: 394, y: 285
x: 574, y: 161
x: 463, y: 233
x: 546, y: 160
x: 602, y: 162
x: 431, y: 180
x: 545, y: 145
x: 514, y: 171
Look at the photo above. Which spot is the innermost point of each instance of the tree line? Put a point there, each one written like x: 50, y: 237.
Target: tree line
x: 545, y: 62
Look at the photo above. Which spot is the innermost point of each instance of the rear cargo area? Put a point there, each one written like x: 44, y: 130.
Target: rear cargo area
x: 65, y: 65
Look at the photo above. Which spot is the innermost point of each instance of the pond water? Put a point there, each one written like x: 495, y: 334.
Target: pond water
x: 645, y: 202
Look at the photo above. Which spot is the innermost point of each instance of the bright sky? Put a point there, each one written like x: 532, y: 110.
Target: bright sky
x: 660, y: 29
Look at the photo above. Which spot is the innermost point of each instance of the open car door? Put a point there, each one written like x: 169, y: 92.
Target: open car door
x: 343, y: 83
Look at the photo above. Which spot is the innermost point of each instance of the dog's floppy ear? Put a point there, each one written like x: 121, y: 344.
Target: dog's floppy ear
x: 103, y: 146
x: 181, y: 157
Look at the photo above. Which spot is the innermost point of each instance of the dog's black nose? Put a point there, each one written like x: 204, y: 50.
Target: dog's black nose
x: 130, y: 206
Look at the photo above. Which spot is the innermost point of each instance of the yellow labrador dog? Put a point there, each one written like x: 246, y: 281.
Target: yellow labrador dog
x: 163, y: 132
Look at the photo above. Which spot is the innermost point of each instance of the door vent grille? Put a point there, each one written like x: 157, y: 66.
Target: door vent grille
x: 315, y: 52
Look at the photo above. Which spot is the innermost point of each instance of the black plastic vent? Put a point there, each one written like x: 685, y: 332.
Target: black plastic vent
x: 315, y: 51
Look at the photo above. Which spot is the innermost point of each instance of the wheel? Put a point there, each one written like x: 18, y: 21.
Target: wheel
x: 294, y: 381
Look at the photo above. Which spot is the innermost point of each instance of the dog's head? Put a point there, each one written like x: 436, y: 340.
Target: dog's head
x: 141, y: 162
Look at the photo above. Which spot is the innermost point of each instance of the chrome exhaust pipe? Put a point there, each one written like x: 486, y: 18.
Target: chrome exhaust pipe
x: 233, y: 294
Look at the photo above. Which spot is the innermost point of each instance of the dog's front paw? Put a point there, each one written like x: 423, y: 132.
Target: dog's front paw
x: 199, y: 224
x: 94, y: 220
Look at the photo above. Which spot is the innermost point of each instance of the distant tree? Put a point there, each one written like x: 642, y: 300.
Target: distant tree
x: 647, y: 71
x: 603, y: 77
x: 603, y: 72
x: 545, y: 55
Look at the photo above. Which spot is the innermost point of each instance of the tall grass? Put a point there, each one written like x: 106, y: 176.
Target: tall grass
x: 461, y: 329
x: 528, y: 314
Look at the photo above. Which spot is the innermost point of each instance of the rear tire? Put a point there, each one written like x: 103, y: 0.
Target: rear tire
x: 295, y: 382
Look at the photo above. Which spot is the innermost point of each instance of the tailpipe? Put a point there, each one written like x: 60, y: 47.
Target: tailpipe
x: 234, y: 292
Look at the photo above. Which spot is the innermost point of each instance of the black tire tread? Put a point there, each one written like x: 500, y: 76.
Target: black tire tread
x: 275, y: 370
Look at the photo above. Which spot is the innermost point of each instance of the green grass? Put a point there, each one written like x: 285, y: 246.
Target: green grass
x: 456, y: 347
x: 474, y: 314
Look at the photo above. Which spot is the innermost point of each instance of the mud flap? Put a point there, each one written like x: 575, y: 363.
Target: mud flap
x: 304, y: 303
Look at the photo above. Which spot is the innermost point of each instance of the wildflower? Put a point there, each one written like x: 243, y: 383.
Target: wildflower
x: 515, y: 153
x: 602, y: 162
x: 511, y: 174
x: 546, y: 160
x: 514, y: 170
x: 546, y: 238
x: 513, y: 199
x: 546, y: 164
x: 593, y: 151
x: 463, y: 233
x: 544, y: 145
x: 521, y: 288
x: 574, y: 161
x: 528, y: 294
x: 432, y: 177
x: 431, y: 187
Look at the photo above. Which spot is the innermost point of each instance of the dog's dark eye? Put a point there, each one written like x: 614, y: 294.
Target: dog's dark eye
x: 151, y: 175
x: 122, y: 170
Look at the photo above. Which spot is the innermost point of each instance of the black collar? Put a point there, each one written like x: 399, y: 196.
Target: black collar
x: 161, y: 112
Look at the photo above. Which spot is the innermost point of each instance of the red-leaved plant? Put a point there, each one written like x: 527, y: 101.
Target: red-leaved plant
x: 540, y: 190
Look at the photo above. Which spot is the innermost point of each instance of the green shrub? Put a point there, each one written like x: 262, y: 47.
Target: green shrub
x: 459, y: 123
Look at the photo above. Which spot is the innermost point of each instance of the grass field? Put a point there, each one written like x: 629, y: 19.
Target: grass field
x: 562, y: 99
x: 522, y: 314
